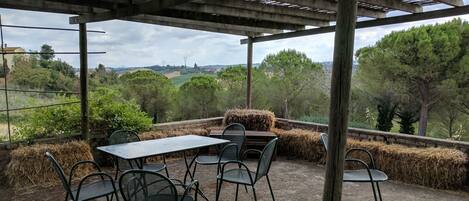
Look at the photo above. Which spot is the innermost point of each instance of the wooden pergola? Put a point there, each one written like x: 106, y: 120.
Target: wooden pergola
x: 259, y: 20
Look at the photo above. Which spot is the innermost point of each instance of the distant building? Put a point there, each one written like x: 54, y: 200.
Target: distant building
x: 9, y: 57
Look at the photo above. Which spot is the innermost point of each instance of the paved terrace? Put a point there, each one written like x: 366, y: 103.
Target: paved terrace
x: 291, y: 180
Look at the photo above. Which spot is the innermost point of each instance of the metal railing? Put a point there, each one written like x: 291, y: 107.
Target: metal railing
x: 6, y: 90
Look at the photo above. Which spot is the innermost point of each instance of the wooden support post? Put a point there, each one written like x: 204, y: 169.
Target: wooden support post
x: 84, y: 81
x: 249, y: 75
x: 340, y: 98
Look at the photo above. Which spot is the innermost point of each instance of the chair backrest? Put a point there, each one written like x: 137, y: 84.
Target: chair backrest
x: 143, y: 185
x: 265, y: 160
x: 324, y: 140
x: 236, y: 133
x: 60, y: 172
x: 120, y: 137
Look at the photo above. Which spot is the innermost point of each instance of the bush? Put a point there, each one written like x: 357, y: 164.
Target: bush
x: 440, y: 168
x: 29, y: 167
x: 259, y: 120
x: 108, y: 112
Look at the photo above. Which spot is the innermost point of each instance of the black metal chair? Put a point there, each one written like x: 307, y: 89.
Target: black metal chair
x: 370, y: 173
x: 236, y: 134
x: 242, y: 174
x: 92, y: 186
x: 143, y: 185
x: 121, y: 165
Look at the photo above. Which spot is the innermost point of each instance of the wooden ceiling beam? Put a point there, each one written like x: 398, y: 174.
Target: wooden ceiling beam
x: 396, y: 5
x: 131, y: 10
x: 332, y: 6
x: 202, y: 25
x: 456, y: 3
x: 243, y: 13
x: 256, y: 6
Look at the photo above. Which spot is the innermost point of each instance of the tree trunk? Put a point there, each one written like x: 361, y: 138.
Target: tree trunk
x: 285, y: 114
x: 423, y: 121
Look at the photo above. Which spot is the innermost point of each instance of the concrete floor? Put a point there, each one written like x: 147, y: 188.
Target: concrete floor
x: 291, y: 180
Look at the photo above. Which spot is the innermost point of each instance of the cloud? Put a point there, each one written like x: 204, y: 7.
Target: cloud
x: 136, y: 44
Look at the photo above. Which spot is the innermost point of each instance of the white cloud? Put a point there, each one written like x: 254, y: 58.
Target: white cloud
x: 137, y: 44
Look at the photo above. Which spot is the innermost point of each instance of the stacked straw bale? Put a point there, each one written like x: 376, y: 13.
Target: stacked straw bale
x: 440, y: 168
x: 29, y: 167
x: 258, y: 120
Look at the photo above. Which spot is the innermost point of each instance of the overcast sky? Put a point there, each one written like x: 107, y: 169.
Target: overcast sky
x: 130, y: 44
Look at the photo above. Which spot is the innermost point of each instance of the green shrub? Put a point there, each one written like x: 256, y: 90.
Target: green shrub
x: 108, y: 112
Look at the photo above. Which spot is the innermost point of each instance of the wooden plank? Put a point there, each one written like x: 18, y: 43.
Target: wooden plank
x: 395, y: 4
x: 194, y: 24
x: 134, y: 9
x: 43, y: 6
x: 369, y: 23
x: 340, y: 98
x: 256, y: 6
x: 456, y: 3
x: 84, y: 81
x: 249, y: 75
x: 236, y: 12
x: 332, y: 6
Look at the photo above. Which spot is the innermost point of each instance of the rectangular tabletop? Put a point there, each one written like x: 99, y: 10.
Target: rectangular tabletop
x: 141, y: 149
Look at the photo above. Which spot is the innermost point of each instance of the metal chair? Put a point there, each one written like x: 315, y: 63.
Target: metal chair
x: 126, y: 136
x: 242, y: 174
x: 92, y: 186
x: 370, y: 173
x: 143, y: 185
x: 236, y: 134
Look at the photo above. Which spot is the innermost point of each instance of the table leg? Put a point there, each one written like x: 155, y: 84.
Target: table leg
x: 189, y: 165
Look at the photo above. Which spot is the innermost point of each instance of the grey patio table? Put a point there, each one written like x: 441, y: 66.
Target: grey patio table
x: 143, y: 149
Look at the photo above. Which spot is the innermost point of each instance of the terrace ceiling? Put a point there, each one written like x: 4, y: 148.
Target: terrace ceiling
x: 239, y: 17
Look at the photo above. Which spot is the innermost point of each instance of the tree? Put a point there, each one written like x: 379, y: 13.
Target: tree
x: 47, y: 53
x: 233, y: 83
x: 198, y: 98
x: 421, y: 58
x: 291, y: 73
x: 152, y: 91
x: 103, y: 76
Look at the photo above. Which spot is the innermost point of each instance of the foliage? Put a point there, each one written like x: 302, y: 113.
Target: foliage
x: 386, y: 111
x: 103, y: 76
x: 197, y: 98
x: 291, y: 74
x: 233, y: 82
x: 47, y: 52
x: 183, y: 78
x: 422, y: 59
x: 152, y: 91
x: 108, y: 112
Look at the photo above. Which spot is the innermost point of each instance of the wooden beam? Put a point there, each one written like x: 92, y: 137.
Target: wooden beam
x: 332, y: 6
x: 201, y: 25
x: 133, y: 9
x: 229, y: 20
x: 256, y: 6
x: 340, y: 97
x: 236, y: 12
x: 249, y: 75
x: 369, y: 23
x: 396, y: 5
x: 456, y: 3
x: 43, y: 6
x: 84, y: 81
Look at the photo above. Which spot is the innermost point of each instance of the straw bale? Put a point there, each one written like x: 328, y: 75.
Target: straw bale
x: 440, y: 168
x: 259, y: 120
x: 29, y: 167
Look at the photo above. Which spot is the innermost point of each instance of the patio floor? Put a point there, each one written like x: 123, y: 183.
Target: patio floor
x: 291, y: 180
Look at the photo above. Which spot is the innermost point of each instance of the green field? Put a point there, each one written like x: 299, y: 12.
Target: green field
x: 180, y: 80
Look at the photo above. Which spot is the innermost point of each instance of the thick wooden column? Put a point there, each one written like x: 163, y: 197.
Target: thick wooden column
x: 249, y: 75
x: 340, y: 98
x: 84, y: 81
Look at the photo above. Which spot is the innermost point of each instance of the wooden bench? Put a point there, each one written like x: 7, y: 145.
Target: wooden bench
x: 254, y: 139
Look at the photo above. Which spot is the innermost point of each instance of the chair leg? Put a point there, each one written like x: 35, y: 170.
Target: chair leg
x: 246, y: 188
x: 193, y: 171
x: 270, y: 187
x: 379, y: 191
x: 374, y: 191
x: 218, y: 190
x: 254, y: 192
x: 237, y: 188
x: 107, y: 197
